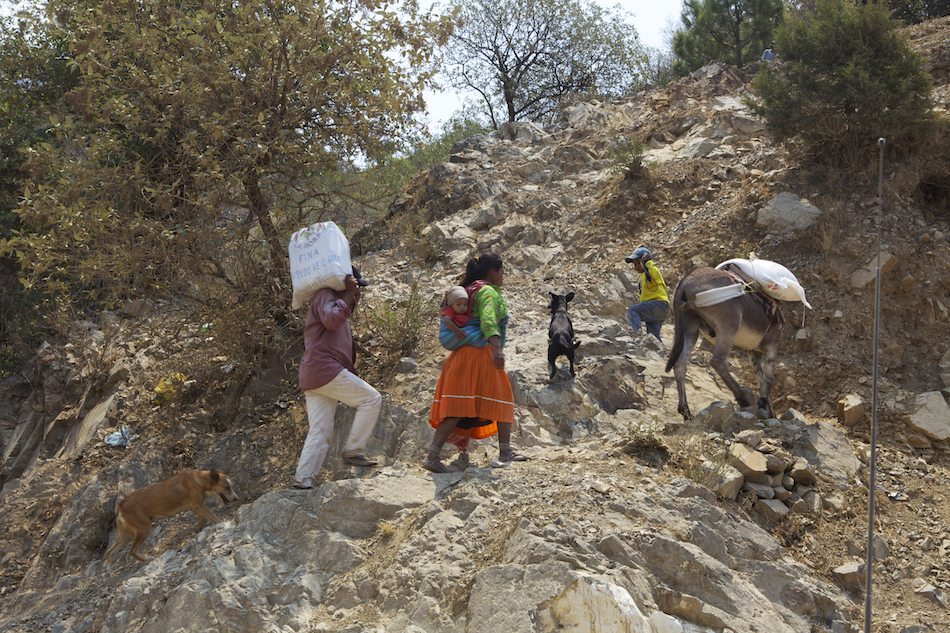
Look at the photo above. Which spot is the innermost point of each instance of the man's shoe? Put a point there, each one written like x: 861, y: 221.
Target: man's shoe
x: 358, y: 459
x: 306, y: 484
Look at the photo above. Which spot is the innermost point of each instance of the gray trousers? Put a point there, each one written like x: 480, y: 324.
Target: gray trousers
x: 653, y: 313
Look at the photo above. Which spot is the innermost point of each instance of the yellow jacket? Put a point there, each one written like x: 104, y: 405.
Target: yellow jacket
x: 655, y: 288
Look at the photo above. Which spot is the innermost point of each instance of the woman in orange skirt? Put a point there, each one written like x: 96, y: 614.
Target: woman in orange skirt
x: 473, y: 398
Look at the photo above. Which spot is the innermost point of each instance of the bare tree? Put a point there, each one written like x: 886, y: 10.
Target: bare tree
x: 526, y: 58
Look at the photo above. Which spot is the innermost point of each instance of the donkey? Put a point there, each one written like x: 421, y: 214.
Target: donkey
x: 749, y: 321
x: 560, y: 333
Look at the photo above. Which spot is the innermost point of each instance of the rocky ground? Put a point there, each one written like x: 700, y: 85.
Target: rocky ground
x: 555, y: 204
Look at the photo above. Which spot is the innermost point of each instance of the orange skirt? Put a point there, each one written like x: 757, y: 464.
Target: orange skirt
x: 471, y: 388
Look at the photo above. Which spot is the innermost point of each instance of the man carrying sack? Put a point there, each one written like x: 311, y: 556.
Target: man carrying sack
x: 328, y: 376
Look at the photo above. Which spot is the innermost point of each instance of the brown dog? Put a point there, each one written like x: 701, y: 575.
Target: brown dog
x: 185, y: 491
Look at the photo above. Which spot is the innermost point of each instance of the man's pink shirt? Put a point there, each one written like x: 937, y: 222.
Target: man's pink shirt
x: 328, y: 340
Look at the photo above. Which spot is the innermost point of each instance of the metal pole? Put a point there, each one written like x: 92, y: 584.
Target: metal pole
x: 872, y: 485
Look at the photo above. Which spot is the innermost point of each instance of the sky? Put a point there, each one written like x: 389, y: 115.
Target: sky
x: 649, y: 17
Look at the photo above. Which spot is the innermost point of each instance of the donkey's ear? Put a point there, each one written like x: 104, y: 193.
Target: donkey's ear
x: 569, y: 296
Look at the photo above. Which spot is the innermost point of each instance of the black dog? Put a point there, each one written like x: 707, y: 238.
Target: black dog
x: 561, y: 333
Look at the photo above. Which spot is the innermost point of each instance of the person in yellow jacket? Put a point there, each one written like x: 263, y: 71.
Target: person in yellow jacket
x: 654, y: 301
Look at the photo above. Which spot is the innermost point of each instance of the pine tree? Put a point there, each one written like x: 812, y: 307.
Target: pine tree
x: 731, y: 32
x: 847, y: 78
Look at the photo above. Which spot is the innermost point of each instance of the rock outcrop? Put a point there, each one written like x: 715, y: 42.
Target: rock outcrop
x: 600, y: 531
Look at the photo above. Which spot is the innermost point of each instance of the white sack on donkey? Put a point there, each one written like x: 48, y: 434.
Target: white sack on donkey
x: 319, y: 258
x: 773, y: 279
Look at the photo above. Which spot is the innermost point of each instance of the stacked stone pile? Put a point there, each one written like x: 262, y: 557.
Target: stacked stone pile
x: 768, y: 460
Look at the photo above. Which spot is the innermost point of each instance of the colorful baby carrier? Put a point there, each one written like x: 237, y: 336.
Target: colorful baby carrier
x: 472, y: 328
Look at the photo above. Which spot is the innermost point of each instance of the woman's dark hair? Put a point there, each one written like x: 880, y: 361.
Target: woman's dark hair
x: 478, y: 267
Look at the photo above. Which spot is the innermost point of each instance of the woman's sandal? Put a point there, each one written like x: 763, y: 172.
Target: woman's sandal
x: 435, y: 467
x: 512, y: 456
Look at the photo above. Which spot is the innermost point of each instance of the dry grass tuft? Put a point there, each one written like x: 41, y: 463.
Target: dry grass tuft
x: 828, y: 230
x: 387, y: 530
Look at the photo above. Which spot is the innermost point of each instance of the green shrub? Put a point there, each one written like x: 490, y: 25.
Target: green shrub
x: 845, y: 79
x: 644, y: 432
x: 388, y: 330
x: 628, y: 151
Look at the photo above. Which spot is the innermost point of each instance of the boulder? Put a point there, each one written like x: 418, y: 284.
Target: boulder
x: 850, y: 409
x: 852, y: 574
x: 787, y: 212
x: 772, y: 509
x: 864, y: 277
x: 592, y: 606
x: 931, y: 416
x: 747, y: 460
x: 722, y: 479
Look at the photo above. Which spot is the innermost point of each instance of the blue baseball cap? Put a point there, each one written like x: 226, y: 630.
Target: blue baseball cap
x: 637, y: 254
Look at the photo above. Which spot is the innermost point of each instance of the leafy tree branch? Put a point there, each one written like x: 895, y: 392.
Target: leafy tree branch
x: 198, y: 136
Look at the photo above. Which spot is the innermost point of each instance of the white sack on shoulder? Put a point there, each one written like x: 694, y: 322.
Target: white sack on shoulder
x: 319, y: 258
x: 774, y: 279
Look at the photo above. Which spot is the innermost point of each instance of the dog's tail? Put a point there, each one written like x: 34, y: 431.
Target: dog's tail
x: 577, y: 344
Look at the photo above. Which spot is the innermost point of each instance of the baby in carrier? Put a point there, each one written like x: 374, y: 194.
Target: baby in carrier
x: 454, y: 310
x: 459, y: 326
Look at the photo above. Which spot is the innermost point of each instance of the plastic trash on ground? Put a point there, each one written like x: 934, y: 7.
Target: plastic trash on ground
x: 167, y: 386
x: 122, y: 437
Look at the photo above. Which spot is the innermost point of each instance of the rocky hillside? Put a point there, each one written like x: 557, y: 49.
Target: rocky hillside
x: 626, y: 518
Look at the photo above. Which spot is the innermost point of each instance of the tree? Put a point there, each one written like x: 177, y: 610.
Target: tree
x: 733, y: 32
x: 201, y: 134
x: 525, y: 58
x: 464, y: 123
x: 33, y: 79
x: 847, y: 78
x: 916, y: 11
x: 658, y: 66
x: 388, y: 176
